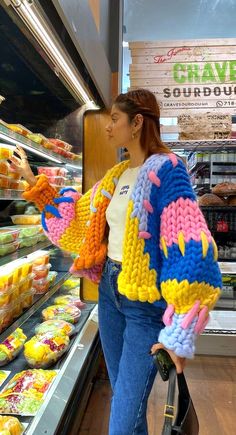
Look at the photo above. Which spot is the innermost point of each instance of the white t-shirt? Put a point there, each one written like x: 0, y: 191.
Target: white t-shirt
x: 116, y: 212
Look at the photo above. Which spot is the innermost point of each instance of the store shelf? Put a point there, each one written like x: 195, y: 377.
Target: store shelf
x: 198, y: 166
x: 24, y: 251
x: 10, y: 137
x: 218, y: 208
x: 10, y: 194
x: 33, y: 309
x: 203, y: 145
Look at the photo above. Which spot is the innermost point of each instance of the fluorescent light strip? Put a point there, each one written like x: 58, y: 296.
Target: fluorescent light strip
x: 73, y: 166
x: 41, y: 32
x: 29, y: 148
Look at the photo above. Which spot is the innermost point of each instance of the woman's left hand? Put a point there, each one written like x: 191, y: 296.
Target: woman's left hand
x: 177, y: 360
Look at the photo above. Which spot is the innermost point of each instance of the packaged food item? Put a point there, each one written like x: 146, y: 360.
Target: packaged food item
x: 20, y: 129
x: 41, y: 285
x: 4, y: 167
x: 6, y: 316
x: 13, y: 175
x: 12, y: 346
x: 27, y: 299
x: 4, y: 182
x: 6, y: 278
x: 22, y: 219
x: 8, y: 248
x: 56, y: 325
x: 52, y: 171
x: 69, y: 300
x: 10, y: 426
x: 74, y: 291
x: 6, y: 151
x: 72, y: 283
x: 42, y: 237
x: 25, y: 392
x: 39, y: 258
x: 13, y: 184
x: 4, y: 375
x: 27, y: 231
x: 28, y: 241
x: 7, y: 296
x: 69, y: 313
x: 8, y: 235
x: 52, y: 277
x: 56, y: 180
x: 61, y: 144
x: 41, y: 272
x: 44, y: 350
x: 36, y: 137
x: 25, y: 284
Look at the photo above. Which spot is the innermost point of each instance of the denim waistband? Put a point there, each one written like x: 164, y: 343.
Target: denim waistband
x: 112, y: 266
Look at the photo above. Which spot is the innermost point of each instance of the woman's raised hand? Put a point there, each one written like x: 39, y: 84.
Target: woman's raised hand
x: 21, y: 165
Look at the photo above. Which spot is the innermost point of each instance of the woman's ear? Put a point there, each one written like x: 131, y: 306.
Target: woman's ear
x: 138, y: 121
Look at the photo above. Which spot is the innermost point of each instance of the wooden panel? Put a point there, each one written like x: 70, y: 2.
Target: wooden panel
x: 183, y: 43
x: 98, y: 157
x: 212, y: 384
x: 193, y: 75
x: 95, y: 8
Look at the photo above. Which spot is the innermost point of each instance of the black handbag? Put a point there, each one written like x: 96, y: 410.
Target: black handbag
x: 186, y: 421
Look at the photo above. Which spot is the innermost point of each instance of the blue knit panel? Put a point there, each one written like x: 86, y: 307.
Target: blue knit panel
x: 192, y: 266
x: 152, y: 245
x: 175, y: 184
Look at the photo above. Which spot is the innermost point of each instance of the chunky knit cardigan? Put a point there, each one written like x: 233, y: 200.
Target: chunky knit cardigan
x: 168, y: 250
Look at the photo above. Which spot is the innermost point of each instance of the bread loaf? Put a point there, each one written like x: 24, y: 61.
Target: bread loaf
x: 224, y: 188
x: 209, y: 199
x: 232, y: 201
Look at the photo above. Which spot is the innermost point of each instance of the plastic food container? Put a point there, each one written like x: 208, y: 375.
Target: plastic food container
x: 27, y: 299
x: 28, y: 241
x: 55, y: 326
x: 69, y: 313
x: 6, y: 277
x: 39, y: 258
x: 7, y: 296
x: 69, y: 300
x: 56, y: 180
x: 27, y: 231
x: 6, y: 316
x: 4, y: 182
x: 25, y: 284
x: 6, y: 151
x: 52, y: 171
x: 12, y: 346
x: 14, y: 175
x: 8, y: 248
x: 7, y: 235
x: 10, y: 425
x: 36, y: 137
x: 44, y: 350
x: 4, y: 167
x: 13, y: 184
x: 61, y: 144
x: 41, y: 285
x: 20, y: 129
x: 23, y: 219
x: 41, y: 272
x: 52, y: 277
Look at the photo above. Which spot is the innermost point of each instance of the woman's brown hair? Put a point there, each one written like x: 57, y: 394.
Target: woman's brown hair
x: 142, y: 101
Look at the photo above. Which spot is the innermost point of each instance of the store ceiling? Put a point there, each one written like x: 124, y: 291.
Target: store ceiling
x: 35, y: 97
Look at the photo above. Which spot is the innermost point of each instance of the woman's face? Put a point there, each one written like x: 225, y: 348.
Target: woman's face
x: 119, y: 129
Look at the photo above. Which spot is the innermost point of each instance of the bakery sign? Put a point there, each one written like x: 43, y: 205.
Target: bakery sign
x: 195, y: 75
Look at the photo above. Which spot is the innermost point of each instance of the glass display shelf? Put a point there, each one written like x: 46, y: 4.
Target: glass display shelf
x: 10, y: 137
x: 11, y: 194
x: 20, y: 253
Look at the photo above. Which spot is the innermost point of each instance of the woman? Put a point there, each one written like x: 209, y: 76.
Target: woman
x: 160, y: 257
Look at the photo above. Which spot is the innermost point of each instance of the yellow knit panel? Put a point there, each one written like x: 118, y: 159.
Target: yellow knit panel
x: 136, y: 281
x: 183, y: 295
x: 73, y: 236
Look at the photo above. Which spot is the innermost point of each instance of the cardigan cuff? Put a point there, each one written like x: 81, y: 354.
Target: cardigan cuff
x: 42, y: 193
x: 180, y: 341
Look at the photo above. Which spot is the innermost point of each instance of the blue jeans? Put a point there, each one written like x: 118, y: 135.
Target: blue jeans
x: 128, y: 330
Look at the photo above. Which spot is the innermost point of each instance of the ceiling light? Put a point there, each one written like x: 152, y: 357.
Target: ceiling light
x: 63, y: 66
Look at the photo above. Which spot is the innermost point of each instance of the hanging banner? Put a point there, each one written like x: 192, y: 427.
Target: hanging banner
x: 195, y: 75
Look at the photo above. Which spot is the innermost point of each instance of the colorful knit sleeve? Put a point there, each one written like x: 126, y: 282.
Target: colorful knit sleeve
x: 64, y: 214
x: 190, y: 278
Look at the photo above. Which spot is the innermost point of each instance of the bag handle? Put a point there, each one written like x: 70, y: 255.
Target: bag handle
x: 169, y: 411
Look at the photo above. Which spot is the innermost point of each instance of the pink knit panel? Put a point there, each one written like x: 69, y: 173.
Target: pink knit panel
x: 57, y: 226
x: 173, y: 158
x: 183, y: 215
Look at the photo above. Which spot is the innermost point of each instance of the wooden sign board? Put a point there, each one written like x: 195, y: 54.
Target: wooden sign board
x: 204, y: 126
x: 187, y: 75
